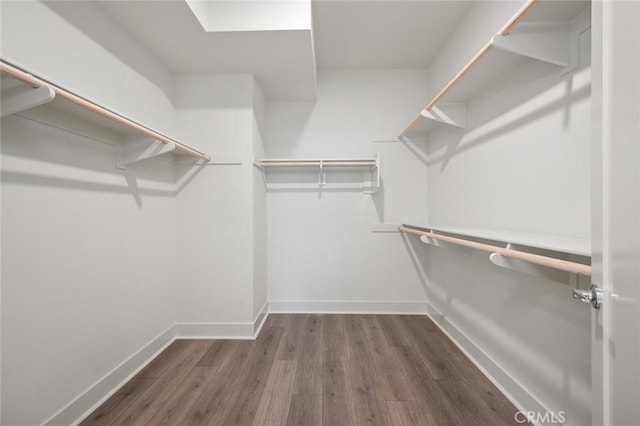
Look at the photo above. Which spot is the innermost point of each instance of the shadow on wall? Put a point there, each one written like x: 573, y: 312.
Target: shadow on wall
x: 526, y: 85
x: 378, y: 201
x: 531, y: 327
x: 90, y: 19
x: 70, y: 160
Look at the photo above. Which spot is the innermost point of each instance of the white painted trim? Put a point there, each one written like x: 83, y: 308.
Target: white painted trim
x: 510, y: 387
x: 227, y: 158
x: 215, y: 330
x: 385, y: 227
x: 260, y: 319
x: 347, y: 307
x: 85, y: 403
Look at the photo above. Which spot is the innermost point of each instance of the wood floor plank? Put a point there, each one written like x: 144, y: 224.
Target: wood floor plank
x: 104, y: 414
x: 466, y: 404
x: 152, y: 399
x: 394, y: 329
x: 292, y: 338
x: 432, y: 402
x: 478, y: 383
x: 346, y: 370
x: 218, y: 354
x: 305, y: 410
x: 175, y: 410
x: 422, y: 322
x: 217, y: 394
x: 407, y: 413
x: 276, y: 320
x: 338, y: 407
x: 129, y: 401
x: 166, y: 360
x: 273, y: 409
x: 389, y: 374
x: 369, y: 403
x: 241, y: 407
x: 333, y: 333
x: 309, y: 370
x: 431, y: 350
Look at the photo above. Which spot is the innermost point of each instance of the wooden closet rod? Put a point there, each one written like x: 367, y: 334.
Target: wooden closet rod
x: 71, y: 97
x: 563, y: 265
x: 506, y: 29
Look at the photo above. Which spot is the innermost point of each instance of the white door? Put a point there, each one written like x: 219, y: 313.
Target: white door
x: 616, y: 211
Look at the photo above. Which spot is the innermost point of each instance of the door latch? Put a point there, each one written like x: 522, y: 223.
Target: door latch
x: 593, y: 295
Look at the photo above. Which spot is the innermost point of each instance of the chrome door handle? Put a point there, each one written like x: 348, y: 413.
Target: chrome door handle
x: 593, y: 296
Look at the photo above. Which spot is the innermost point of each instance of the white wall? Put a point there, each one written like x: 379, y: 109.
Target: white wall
x: 214, y: 211
x: 87, y: 268
x: 76, y: 45
x: 219, y: 216
x: 259, y: 204
x: 523, y: 166
x: 322, y: 253
x: 88, y: 254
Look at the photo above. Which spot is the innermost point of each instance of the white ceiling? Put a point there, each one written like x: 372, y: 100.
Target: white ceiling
x: 346, y: 35
x: 382, y: 34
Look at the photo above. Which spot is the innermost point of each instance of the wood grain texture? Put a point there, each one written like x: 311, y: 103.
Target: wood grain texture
x: 333, y: 333
x: 367, y: 395
x: 433, y: 404
x: 154, y: 397
x: 389, y: 374
x: 338, y: 406
x: 276, y: 400
x: 292, y: 338
x: 218, y: 353
x: 406, y: 413
x: 180, y: 404
x: 242, y: 403
x: 216, y: 394
x: 310, y: 370
x: 305, y: 410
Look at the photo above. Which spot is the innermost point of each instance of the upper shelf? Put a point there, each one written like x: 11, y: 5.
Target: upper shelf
x: 562, y: 244
x: 370, y: 165
x: 545, y: 36
x: 23, y: 91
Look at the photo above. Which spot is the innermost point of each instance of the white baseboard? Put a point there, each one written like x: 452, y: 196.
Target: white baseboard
x: 91, y: 399
x: 103, y: 389
x: 260, y: 319
x: 215, y: 330
x: 346, y: 307
x: 88, y: 401
x: 509, y: 386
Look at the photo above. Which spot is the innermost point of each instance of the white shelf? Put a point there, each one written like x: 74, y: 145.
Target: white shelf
x: 563, y: 244
x: 542, y: 33
x: 22, y: 91
x: 295, y: 173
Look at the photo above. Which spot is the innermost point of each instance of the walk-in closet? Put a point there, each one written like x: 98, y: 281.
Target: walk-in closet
x: 320, y: 212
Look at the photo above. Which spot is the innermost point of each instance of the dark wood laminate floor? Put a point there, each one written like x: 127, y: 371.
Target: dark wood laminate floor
x: 313, y: 370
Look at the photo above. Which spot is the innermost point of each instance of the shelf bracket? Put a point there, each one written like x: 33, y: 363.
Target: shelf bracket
x: 452, y: 114
x: 142, y: 148
x: 543, y: 41
x: 372, y: 184
x: 528, y: 268
x: 322, y: 178
x: 434, y: 242
x: 24, y: 98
